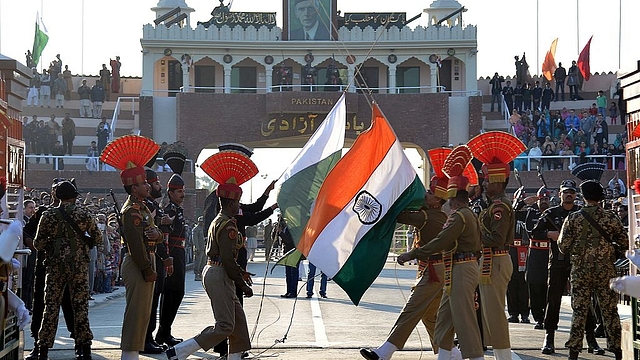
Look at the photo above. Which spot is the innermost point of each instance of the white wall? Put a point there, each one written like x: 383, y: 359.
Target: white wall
x: 458, y: 119
x: 164, y: 119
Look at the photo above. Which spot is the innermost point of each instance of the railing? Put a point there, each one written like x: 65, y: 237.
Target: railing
x: 116, y: 111
x: 55, y: 162
x: 523, y: 162
x: 319, y: 87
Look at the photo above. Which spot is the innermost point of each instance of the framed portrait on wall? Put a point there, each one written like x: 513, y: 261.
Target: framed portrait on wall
x: 309, y: 19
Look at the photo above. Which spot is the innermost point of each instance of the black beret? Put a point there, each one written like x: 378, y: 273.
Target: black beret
x: 592, y: 190
x: 66, y: 191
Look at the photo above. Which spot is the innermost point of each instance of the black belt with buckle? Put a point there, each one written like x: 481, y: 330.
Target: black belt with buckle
x: 541, y: 245
x: 466, y: 256
x: 516, y: 243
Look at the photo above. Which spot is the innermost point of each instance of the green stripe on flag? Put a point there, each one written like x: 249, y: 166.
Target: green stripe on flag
x: 39, y: 42
x: 368, y: 258
x: 300, y: 191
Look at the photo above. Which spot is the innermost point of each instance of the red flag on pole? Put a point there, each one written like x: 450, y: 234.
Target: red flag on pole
x: 549, y: 65
x: 583, y: 60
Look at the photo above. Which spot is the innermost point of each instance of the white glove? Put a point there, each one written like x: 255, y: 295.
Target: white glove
x: 634, y: 257
x: 15, y: 263
x: 629, y: 285
x: 17, y: 305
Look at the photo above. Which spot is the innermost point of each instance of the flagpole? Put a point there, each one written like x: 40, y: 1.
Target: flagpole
x: 82, y: 43
x: 537, y: 36
x: 578, y: 26
x: 619, y: 34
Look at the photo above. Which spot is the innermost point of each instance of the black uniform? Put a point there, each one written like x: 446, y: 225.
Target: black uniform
x: 517, y: 290
x: 173, y: 290
x: 161, y: 254
x: 537, y: 265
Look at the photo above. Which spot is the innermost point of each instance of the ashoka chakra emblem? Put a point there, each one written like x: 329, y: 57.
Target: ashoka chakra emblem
x: 367, y: 207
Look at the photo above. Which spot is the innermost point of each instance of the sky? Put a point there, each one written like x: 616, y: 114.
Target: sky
x: 505, y: 28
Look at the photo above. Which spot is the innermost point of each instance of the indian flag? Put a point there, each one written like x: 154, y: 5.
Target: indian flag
x: 352, y: 223
x: 303, y: 178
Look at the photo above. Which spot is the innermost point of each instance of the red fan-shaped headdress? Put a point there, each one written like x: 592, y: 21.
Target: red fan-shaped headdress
x: 129, y: 154
x: 496, y: 149
x: 229, y: 169
x: 454, y: 167
x: 439, y: 181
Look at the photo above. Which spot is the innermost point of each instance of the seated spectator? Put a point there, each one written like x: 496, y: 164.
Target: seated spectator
x: 518, y: 130
x: 548, y: 151
x: 618, y: 141
x: 580, y: 137
x: 582, y: 149
x: 597, y: 150
x: 565, y: 140
x: 566, y: 152
x: 535, y: 155
x: 548, y: 142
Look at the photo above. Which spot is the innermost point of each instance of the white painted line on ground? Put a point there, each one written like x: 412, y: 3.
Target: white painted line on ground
x: 316, y: 315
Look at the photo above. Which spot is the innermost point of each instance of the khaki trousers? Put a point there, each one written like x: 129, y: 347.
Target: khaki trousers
x: 423, y: 304
x: 457, y: 312
x: 494, y: 320
x: 139, y: 296
x: 231, y: 321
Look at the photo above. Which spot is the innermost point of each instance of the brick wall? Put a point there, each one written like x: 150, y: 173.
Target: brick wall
x: 475, y: 115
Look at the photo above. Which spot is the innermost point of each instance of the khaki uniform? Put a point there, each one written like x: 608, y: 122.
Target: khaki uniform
x: 498, y: 225
x: 67, y: 265
x: 457, y: 314
x: 592, y: 258
x: 221, y: 275
x: 425, y: 296
x: 139, y: 261
x: 200, y: 255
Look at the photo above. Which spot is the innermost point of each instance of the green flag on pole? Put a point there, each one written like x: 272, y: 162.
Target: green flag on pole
x: 39, y: 42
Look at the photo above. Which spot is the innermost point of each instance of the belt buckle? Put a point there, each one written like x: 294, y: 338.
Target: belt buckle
x: 544, y: 244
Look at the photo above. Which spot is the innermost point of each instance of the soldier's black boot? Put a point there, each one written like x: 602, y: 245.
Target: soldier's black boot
x: 78, y: 351
x: 573, y: 354
x: 549, y: 347
x: 43, y: 354
x: 33, y: 355
x: 618, y: 354
x: 592, y: 346
x: 86, y: 352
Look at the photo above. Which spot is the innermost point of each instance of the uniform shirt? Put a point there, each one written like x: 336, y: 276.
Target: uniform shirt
x: 58, y: 239
x: 176, y: 229
x: 224, y: 241
x: 583, y: 242
x: 461, y: 229
x: 428, y: 222
x: 498, y: 222
x: 136, y: 218
x: 551, y: 220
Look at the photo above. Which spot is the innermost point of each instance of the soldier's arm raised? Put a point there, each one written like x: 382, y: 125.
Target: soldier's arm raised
x: 415, y: 218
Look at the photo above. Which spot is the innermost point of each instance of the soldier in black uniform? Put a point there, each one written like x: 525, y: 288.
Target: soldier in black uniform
x: 538, y: 260
x: 162, y: 257
x: 174, y: 285
x: 517, y: 291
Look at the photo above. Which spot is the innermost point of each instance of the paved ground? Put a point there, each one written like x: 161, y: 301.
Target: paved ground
x: 330, y: 328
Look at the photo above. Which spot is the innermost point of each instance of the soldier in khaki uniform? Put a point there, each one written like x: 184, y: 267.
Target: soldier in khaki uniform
x: 592, y: 258
x: 426, y: 294
x: 67, y: 265
x: 222, y: 273
x: 496, y: 150
x: 459, y: 240
x: 139, y: 235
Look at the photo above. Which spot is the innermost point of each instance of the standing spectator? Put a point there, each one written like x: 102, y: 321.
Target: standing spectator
x: 547, y: 96
x: 45, y: 89
x: 200, y: 251
x: 601, y: 100
x: 68, y: 133
x: 42, y: 141
x: 97, y: 98
x: 58, y: 151
x: 496, y: 91
x: 103, y: 131
x: 574, y: 81
x: 268, y: 239
x: 105, y: 80
x: 310, y: 281
x: 536, y: 93
x: 584, y: 239
x: 507, y: 94
x: 535, y: 155
x: 291, y: 273
x: 252, y: 241
x: 85, y: 99
x: 544, y: 125
x: 28, y: 272
x: 115, y: 75
x: 560, y: 74
x: 593, y: 111
x: 526, y: 96
x: 54, y: 130
x: 92, y: 157
x: 600, y: 130
x: 518, y: 94
x: 29, y: 134
x: 613, y: 113
x: 34, y: 89
x: 586, y: 125
x: 66, y: 74
x: 572, y: 123
x: 58, y: 90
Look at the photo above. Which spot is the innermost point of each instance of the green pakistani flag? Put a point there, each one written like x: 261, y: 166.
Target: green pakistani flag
x: 302, y: 180
x: 39, y: 42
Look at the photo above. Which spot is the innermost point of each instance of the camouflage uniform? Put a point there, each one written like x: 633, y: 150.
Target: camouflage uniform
x: 67, y: 265
x: 425, y: 298
x: 592, y: 258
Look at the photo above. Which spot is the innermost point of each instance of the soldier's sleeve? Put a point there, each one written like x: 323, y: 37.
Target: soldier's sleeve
x: 499, y: 227
x: 567, y: 235
x: 44, y: 231
x: 227, y: 239
x: 445, y: 240
x: 135, y: 239
x: 415, y: 218
x: 94, y: 232
x: 618, y: 232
